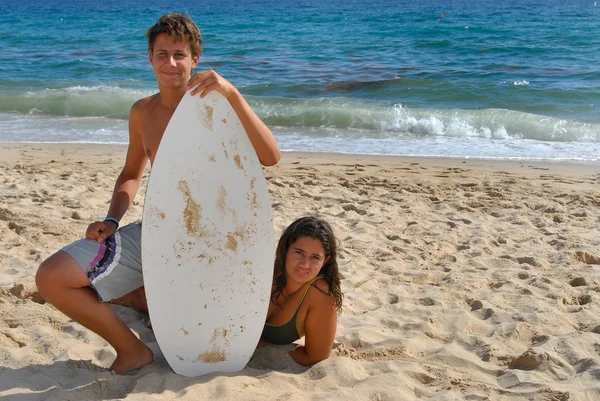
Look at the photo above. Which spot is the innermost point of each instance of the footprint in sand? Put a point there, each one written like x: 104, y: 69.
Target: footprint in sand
x: 489, y: 312
x: 349, y: 206
x: 587, y: 258
x: 393, y: 299
x: 528, y: 361
x: 377, y: 355
x: 532, y: 359
x: 19, y: 291
x: 578, y: 282
x: 584, y: 299
x: 12, y: 339
x: 528, y: 260
x: 348, y: 184
x: 427, y: 301
x: 16, y: 227
x: 559, y: 218
x: 72, y: 204
x: 104, y: 355
x: 495, y: 194
x: 465, y: 221
x: 35, y: 254
x: 577, y: 301
x: 580, y: 214
x: 476, y: 305
x: 84, y: 365
x: 558, y: 245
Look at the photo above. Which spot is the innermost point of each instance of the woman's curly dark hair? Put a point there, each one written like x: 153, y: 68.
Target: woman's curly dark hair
x: 315, y: 228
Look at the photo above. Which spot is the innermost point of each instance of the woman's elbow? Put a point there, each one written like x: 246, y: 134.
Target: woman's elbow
x: 310, y: 358
x: 320, y: 358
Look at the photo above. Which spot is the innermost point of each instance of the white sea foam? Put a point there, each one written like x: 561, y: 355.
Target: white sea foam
x: 484, y: 143
x: 99, y: 114
x: 376, y: 119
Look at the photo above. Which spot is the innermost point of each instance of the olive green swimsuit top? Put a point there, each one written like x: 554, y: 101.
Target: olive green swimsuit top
x: 286, y: 333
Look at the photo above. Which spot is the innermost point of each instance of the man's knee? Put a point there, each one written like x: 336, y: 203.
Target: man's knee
x: 46, y: 273
x: 43, y: 272
x: 59, y: 270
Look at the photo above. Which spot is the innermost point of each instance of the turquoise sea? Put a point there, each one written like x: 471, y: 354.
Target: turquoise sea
x: 510, y: 79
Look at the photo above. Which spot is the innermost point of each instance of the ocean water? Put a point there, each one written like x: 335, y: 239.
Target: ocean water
x: 512, y: 79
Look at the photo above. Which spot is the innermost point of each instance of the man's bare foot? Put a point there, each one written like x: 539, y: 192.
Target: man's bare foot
x: 132, y: 359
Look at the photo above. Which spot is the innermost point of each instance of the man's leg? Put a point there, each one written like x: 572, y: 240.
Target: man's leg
x: 61, y: 282
x: 136, y: 299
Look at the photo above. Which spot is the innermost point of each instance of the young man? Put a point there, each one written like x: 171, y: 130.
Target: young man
x: 106, y: 266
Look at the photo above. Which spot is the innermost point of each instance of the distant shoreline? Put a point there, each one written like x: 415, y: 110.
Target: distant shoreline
x: 9, y: 151
x: 514, y: 165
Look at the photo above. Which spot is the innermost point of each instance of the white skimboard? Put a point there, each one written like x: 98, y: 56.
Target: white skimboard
x: 207, y: 240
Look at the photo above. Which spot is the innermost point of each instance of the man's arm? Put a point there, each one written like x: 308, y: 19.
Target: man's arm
x: 260, y: 135
x: 130, y: 178
x: 128, y: 181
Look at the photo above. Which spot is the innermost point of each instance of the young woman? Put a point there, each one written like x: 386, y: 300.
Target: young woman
x: 306, y: 295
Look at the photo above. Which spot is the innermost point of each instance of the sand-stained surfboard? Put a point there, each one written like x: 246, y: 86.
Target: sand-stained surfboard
x: 207, y: 240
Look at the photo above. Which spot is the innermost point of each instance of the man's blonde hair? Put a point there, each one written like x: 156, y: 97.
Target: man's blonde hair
x: 178, y: 27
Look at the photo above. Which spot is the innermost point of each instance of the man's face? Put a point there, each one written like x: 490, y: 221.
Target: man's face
x: 172, y: 61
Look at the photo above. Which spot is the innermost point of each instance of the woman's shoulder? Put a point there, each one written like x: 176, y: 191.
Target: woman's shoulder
x: 320, y: 297
x: 322, y: 286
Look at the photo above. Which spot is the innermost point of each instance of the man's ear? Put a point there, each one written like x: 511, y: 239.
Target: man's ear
x: 195, y: 61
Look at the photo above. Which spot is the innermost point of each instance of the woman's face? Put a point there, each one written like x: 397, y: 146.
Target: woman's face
x: 304, y: 259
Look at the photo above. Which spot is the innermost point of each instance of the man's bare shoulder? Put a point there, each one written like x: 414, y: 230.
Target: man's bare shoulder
x: 145, y: 104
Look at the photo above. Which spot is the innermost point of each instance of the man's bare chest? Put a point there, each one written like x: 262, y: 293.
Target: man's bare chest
x: 152, y: 132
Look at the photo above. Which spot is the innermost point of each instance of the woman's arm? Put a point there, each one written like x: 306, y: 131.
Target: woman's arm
x: 319, y: 331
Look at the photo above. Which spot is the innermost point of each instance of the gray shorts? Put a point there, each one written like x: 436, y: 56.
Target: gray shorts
x: 114, y: 267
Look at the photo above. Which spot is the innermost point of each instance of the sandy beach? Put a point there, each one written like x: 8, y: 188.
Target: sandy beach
x: 463, y: 279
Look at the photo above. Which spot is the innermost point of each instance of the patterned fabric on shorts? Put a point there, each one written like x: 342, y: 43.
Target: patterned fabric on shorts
x: 106, y: 260
x: 114, y: 266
